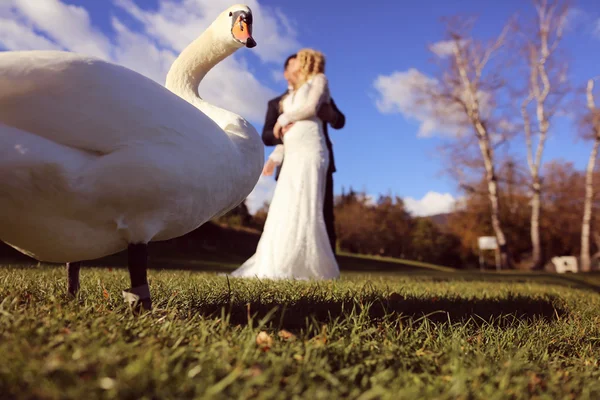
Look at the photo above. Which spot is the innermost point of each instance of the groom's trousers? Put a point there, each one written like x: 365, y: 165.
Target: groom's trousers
x: 328, y: 214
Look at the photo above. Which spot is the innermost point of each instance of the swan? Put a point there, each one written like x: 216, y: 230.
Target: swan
x: 96, y: 158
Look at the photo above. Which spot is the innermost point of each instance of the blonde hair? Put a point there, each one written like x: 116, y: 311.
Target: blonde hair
x: 312, y: 62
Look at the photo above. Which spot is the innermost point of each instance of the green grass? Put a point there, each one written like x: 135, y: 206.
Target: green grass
x: 437, y: 334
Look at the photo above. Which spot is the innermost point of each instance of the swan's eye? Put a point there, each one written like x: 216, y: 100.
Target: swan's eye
x: 230, y: 13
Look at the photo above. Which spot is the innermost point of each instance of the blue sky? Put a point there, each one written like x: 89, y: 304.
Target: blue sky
x: 376, y: 152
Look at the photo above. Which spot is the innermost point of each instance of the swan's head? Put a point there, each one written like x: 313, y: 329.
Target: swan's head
x: 236, y: 24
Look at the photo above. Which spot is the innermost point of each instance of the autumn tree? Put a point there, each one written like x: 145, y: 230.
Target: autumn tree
x: 356, y: 224
x: 545, y: 90
x: 393, y: 226
x: 472, y: 217
x: 430, y: 244
x: 563, y: 206
x: 591, y: 129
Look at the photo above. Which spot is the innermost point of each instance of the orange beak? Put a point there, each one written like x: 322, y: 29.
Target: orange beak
x: 243, y: 32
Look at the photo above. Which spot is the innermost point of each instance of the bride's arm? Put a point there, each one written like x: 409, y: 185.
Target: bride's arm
x: 277, y: 155
x: 275, y: 159
x: 317, y: 93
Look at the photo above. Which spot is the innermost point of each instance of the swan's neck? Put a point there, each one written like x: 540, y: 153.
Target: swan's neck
x: 183, y: 79
x: 191, y: 67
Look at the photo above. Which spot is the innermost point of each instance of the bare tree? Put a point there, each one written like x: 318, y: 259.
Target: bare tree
x: 546, y: 81
x: 464, y: 96
x: 592, y: 120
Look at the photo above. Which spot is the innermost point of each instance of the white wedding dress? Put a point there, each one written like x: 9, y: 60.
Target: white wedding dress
x: 294, y: 243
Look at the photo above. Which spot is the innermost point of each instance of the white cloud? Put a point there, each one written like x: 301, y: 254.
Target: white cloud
x: 431, y: 204
x: 68, y: 25
x: 262, y: 193
x: 408, y: 93
x: 177, y: 23
x: 17, y: 36
x: 597, y: 28
x: 137, y: 52
x: 51, y: 24
x: 443, y: 48
x: 402, y: 92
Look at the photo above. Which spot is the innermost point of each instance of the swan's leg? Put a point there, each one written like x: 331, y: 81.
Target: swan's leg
x: 139, y: 293
x: 73, y: 277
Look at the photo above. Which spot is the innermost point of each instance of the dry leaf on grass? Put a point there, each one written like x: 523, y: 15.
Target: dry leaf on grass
x: 264, y: 341
x: 286, y: 335
x: 322, y: 337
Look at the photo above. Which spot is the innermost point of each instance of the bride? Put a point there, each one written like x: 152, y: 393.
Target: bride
x: 294, y: 243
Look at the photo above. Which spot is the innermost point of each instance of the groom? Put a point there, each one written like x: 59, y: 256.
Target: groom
x: 329, y: 114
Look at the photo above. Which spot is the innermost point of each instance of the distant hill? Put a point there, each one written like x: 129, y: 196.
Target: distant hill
x: 440, y: 219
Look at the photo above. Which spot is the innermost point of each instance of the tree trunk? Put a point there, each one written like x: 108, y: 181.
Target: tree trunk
x: 492, y: 181
x: 536, y: 204
x: 587, y: 208
x: 495, y: 206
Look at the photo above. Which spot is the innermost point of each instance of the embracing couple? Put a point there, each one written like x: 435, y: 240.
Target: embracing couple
x: 298, y: 240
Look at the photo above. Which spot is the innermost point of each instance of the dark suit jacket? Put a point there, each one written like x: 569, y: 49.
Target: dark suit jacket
x: 271, y: 118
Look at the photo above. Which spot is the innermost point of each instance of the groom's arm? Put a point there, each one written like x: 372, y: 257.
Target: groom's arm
x: 268, y: 136
x: 332, y: 115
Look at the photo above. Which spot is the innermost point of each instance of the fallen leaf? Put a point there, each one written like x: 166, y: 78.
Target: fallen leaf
x: 319, y: 340
x: 535, y: 381
x: 286, y: 335
x: 105, y: 293
x: 264, y: 341
x: 322, y: 337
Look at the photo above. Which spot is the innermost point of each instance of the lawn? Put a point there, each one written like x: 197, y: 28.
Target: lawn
x: 398, y: 330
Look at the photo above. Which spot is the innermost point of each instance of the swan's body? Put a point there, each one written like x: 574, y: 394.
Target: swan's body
x: 94, y: 156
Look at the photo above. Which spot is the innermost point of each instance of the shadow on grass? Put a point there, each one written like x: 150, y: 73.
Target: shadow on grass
x: 496, y: 312
x: 373, y: 308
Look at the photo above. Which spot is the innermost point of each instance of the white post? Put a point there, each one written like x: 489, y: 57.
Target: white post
x: 489, y: 243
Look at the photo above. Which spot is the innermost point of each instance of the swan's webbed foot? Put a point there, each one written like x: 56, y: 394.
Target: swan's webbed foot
x: 138, y: 296
x: 73, y: 277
